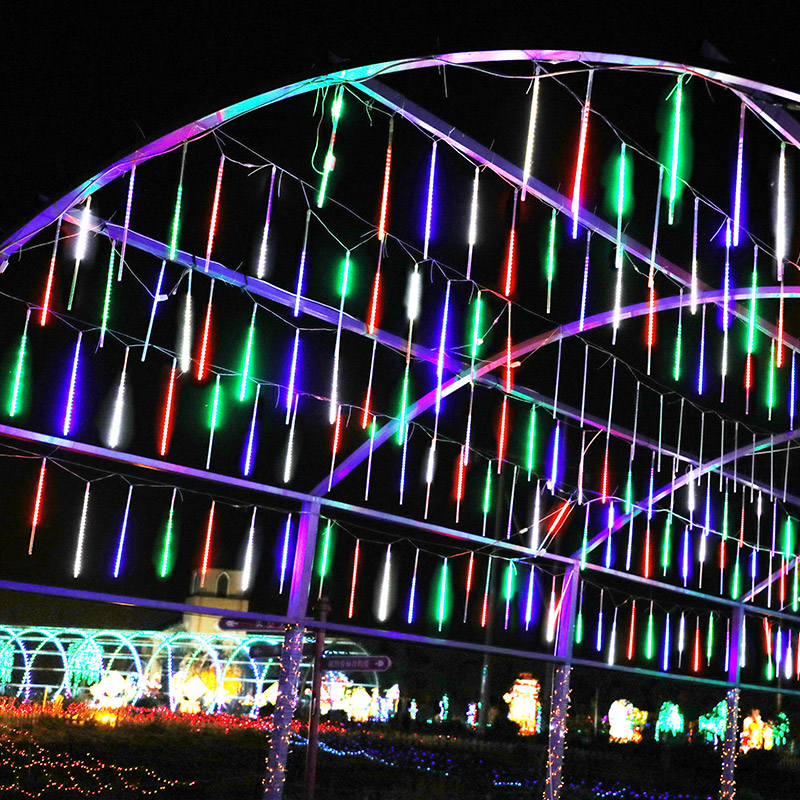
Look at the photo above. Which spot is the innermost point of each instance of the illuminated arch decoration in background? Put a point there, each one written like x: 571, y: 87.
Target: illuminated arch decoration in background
x: 233, y: 667
x: 368, y: 342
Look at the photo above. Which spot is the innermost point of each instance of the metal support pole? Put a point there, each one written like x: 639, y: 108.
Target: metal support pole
x: 292, y: 652
x: 559, y: 702
x: 323, y: 609
x: 730, y: 746
x: 291, y: 655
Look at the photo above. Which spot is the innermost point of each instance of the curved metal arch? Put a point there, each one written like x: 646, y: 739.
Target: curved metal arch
x: 26, y: 675
x: 124, y: 641
x: 245, y: 643
x: 355, y: 75
x: 49, y: 635
x: 520, y: 350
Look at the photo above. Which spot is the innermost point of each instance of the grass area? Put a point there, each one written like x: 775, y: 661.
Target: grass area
x: 212, y: 761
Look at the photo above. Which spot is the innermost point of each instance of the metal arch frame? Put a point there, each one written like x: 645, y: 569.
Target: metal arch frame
x: 49, y: 636
x: 364, y: 73
x: 325, y: 313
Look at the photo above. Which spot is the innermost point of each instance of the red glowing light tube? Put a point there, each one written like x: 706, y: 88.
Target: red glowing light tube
x: 387, y: 171
x: 212, y: 228
x: 207, y: 546
x: 49, y: 287
x: 166, y: 424
x: 37, y: 506
x: 353, y: 581
x: 202, y: 361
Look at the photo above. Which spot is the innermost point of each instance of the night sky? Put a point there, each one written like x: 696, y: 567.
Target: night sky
x: 81, y: 89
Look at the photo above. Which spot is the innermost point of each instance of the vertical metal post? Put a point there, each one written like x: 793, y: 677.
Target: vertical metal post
x: 292, y: 652
x: 559, y: 703
x: 730, y: 744
x: 322, y: 609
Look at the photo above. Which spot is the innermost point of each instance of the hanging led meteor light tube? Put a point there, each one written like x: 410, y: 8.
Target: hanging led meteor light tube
x: 115, y: 431
x: 780, y: 214
x: 78, y: 563
x: 598, y: 644
x: 701, y: 367
x: 213, y: 421
x: 334, y: 402
x: 667, y: 644
x: 80, y: 247
x: 207, y: 545
x: 676, y: 367
x: 472, y: 236
x: 792, y: 395
x: 512, y: 245
x: 212, y: 228
x: 202, y: 361
x: 460, y: 483
x: 176, y: 217
x: 156, y: 298
x: 353, y: 580
x: 676, y: 147
x: 301, y: 269
x: 412, y: 595
x: 51, y: 272
x: 509, y: 590
x: 289, y: 462
x: 387, y: 171
x: 651, y: 313
x: 383, y: 598
x: 107, y: 299
x: 185, y: 355
x: 585, y: 287
x: 751, y: 327
x: 771, y: 379
x: 337, y: 432
x: 529, y: 597
x: 576, y: 186
x: 13, y: 405
x: 501, y: 444
x: 737, y: 191
x: 290, y: 392
x: 365, y: 414
x: 167, y: 420
x: 261, y: 268
x: 681, y: 638
x: 551, y: 257
x: 251, y: 436
x: 68, y: 410
x: 37, y: 506
x: 485, y: 605
x: 287, y: 532
x: 330, y: 159
x: 247, y: 570
x: 441, y: 355
x: 440, y: 613
x: 429, y: 206
x: 531, y: 138
x: 779, y: 341
x: 247, y: 354
x: 127, y: 224
x: 696, y: 657
x: 648, y: 653
x: 166, y: 552
x: 372, y: 428
x: 612, y: 640
x: 552, y: 614
x: 470, y: 570
x: 694, y: 282
x: 122, y: 533
x: 537, y: 516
